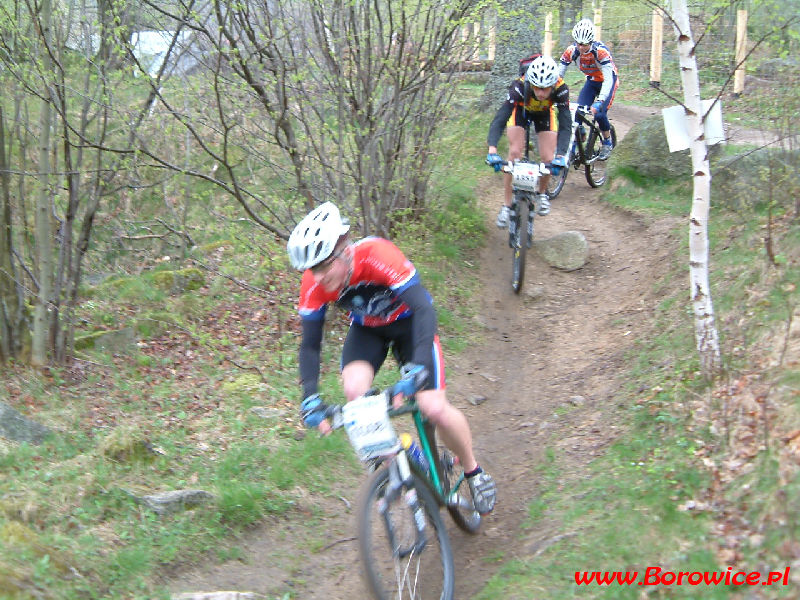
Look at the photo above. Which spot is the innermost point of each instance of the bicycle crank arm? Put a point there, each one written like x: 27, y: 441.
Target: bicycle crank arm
x: 458, y: 501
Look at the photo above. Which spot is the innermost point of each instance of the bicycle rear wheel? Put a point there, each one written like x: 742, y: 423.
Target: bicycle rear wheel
x: 396, y: 565
x: 519, y: 245
x: 596, y: 169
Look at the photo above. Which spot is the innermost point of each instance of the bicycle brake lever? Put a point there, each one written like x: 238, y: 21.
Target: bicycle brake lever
x: 335, y: 414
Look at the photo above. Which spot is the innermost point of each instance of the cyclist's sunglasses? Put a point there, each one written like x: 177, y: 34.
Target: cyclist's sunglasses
x: 325, y: 264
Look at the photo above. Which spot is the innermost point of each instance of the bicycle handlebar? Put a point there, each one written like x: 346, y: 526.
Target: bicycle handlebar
x: 408, y: 385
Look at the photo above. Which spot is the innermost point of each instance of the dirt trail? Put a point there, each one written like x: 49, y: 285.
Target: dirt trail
x: 559, y: 343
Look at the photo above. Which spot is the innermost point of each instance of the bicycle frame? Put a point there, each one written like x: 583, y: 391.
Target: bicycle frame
x: 427, y: 438
x: 577, y: 145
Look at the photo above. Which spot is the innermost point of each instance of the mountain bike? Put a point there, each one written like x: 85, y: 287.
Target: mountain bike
x: 584, y: 147
x: 403, y: 543
x: 524, y: 206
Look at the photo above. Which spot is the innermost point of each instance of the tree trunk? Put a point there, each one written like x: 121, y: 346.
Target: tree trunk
x: 12, y: 322
x: 43, y: 220
x: 519, y: 34
x: 706, y: 336
x: 569, y: 13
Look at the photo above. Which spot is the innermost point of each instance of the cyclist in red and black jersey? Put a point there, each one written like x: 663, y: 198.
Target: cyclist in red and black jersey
x: 595, y: 61
x: 389, y: 309
x: 540, y: 98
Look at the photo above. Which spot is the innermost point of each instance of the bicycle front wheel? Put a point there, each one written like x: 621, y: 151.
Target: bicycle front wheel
x: 401, y: 562
x: 556, y: 183
x: 596, y: 169
x: 519, y: 245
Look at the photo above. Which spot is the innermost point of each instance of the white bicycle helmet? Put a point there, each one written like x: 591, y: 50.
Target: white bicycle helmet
x: 583, y: 32
x: 542, y: 72
x: 315, y: 236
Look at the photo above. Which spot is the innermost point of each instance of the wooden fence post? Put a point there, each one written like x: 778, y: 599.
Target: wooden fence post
x: 547, y: 50
x: 741, y: 52
x: 598, y: 21
x: 656, y: 42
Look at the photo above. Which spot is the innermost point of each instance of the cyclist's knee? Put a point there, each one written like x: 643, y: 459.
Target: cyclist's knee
x: 433, y: 404
x: 357, y: 378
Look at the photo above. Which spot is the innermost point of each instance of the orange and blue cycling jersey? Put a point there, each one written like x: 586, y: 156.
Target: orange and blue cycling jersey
x: 591, y: 63
x: 380, y: 273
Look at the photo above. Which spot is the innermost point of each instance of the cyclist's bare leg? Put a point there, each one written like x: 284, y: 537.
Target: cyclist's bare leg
x: 516, y: 144
x: 547, y: 151
x: 451, y: 425
x: 357, y: 378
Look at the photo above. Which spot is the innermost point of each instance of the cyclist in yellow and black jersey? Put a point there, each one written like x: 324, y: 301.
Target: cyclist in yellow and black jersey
x: 539, y: 98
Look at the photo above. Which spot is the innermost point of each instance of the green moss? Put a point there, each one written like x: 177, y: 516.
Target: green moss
x: 210, y: 247
x: 245, y: 385
x: 182, y: 280
x: 155, y: 323
x: 87, y: 341
x: 15, y: 582
x: 125, y: 445
x: 17, y: 534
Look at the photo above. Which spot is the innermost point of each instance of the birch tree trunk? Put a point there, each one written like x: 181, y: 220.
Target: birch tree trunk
x: 43, y: 220
x: 706, y: 336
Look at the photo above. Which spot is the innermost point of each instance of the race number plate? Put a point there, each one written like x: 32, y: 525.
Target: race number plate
x: 525, y: 176
x: 368, y: 426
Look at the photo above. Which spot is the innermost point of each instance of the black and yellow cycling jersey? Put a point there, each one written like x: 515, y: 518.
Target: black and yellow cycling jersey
x: 522, y: 108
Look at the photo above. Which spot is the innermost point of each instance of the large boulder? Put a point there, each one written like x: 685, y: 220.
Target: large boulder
x: 567, y: 250
x: 646, y: 151
x: 746, y: 178
x: 18, y: 428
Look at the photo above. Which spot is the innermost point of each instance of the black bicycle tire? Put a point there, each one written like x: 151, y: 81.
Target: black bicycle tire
x: 595, y: 138
x: 556, y: 183
x: 520, y: 247
x: 370, y: 493
x: 468, y: 521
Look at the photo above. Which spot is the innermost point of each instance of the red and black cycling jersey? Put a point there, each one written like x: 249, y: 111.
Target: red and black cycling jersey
x: 381, y: 272
x: 384, y: 288
x: 523, y: 107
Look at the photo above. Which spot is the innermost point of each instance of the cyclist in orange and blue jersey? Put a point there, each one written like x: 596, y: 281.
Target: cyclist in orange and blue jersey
x: 389, y: 308
x: 540, y: 98
x: 595, y: 61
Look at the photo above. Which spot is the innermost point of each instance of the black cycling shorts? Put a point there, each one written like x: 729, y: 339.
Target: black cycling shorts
x: 541, y: 121
x: 372, y: 344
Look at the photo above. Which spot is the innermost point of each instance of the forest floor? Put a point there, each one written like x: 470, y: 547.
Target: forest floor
x: 560, y: 343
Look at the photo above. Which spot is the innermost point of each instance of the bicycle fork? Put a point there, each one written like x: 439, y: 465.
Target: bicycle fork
x: 513, y: 222
x: 513, y: 237
x: 399, y: 483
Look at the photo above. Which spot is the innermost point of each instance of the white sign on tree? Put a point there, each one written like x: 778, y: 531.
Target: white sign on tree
x: 678, y: 132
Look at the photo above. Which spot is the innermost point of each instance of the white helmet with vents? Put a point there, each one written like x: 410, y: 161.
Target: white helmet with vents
x: 315, y: 236
x: 542, y: 72
x: 583, y: 32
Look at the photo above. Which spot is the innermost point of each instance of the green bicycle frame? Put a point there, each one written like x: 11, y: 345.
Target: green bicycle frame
x: 420, y: 422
